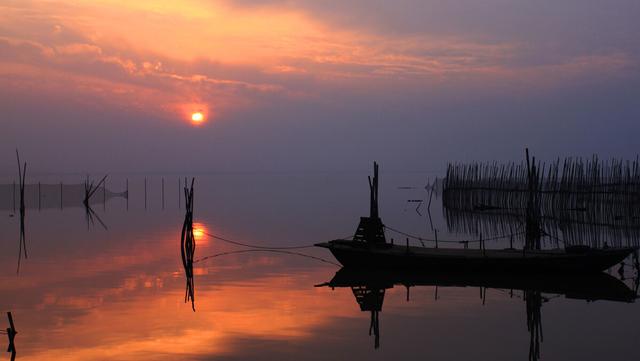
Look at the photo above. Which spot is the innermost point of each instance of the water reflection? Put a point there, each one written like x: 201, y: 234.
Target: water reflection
x: 119, y: 294
x: 188, y: 245
x: 22, y: 175
x: 577, y: 202
x: 91, y: 217
x: 11, y: 335
x: 533, y: 300
x: 22, y: 242
x: 200, y: 232
x: 369, y: 287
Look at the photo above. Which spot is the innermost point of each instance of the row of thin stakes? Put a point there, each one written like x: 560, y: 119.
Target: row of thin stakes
x: 576, y: 176
x: 38, y: 192
x: 580, y: 200
x: 188, y: 245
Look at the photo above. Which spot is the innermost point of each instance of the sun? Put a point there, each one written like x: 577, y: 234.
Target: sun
x: 197, y: 117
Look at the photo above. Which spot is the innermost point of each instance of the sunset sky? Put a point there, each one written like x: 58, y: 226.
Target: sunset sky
x: 285, y: 85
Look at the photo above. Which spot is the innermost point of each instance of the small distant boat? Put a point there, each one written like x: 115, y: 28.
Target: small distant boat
x: 370, y: 249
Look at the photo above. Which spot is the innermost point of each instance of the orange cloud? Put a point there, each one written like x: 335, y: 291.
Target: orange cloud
x: 161, y: 56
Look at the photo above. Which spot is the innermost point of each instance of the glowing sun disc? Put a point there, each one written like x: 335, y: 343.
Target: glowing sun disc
x: 197, y: 117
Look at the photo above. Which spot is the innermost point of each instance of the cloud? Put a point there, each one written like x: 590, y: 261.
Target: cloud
x: 90, y: 69
x: 313, y: 84
x: 164, y: 59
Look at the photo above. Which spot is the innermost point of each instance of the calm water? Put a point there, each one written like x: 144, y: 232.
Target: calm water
x: 90, y: 293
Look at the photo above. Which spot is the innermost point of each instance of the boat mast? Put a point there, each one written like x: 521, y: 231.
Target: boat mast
x: 373, y: 186
x: 371, y: 229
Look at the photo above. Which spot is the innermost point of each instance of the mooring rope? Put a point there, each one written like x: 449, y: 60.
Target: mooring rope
x: 285, y: 249
x: 262, y: 248
x: 266, y: 250
x: 448, y: 241
x: 248, y: 245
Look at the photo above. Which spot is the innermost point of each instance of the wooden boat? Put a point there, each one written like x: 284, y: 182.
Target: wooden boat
x: 578, y: 260
x: 369, y: 248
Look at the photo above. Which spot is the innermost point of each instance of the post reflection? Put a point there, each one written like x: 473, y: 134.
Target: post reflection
x: 89, y: 295
x: 370, y: 299
x: 11, y: 335
x: 369, y: 287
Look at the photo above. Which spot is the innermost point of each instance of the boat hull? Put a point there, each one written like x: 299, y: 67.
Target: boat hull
x: 360, y: 254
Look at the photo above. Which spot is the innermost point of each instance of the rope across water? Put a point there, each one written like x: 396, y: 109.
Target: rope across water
x: 287, y: 249
x: 267, y: 250
x: 261, y: 248
x: 255, y: 245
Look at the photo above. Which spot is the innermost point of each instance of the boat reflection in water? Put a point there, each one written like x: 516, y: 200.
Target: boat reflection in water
x: 369, y: 287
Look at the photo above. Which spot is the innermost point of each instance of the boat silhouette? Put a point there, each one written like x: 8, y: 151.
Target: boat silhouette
x: 369, y: 248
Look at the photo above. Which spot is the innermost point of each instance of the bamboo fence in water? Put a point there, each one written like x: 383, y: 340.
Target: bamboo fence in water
x: 578, y: 201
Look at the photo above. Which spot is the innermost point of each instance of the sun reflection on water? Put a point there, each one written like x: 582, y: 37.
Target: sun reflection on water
x: 200, y: 233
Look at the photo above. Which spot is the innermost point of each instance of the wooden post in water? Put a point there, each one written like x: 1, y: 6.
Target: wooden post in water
x: 188, y: 244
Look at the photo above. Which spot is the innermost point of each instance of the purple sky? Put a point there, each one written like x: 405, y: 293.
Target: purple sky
x: 314, y: 85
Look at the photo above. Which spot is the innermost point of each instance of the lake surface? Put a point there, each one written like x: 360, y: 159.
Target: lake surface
x: 116, y: 292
